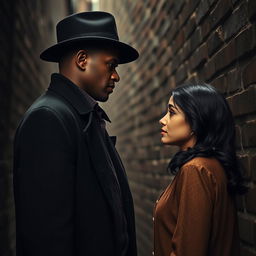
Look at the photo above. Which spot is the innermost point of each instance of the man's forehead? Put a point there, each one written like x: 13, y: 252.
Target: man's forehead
x: 107, y: 54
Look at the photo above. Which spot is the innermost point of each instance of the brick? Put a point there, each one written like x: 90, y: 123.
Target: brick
x: 245, y: 251
x: 234, y: 2
x: 252, y: 9
x: 193, y: 4
x: 190, y: 27
x: 177, y: 7
x: 212, y: 2
x: 209, y: 69
x: 249, y: 134
x: 253, y: 167
x: 238, y: 137
x: 186, y: 51
x: 244, y: 162
x: 195, y: 40
x: 240, y: 203
x: 199, y: 57
x: 205, y: 28
x: 173, y: 30
x: 234, y: 81
x: 176, y: 62
x: 185, y: 14
x: 202, y: 10
x: 245, y: 42
x: 220, y: 83
x: 249, y: 74
x: 246, y: 229
x: 225, y: 56
x: 181, y: 74
x: 244, y: 102
x: 179, y: 41
x: 250, y: 199
x: 235, y: 22
x: 221, y: 10
x: 215, y: 41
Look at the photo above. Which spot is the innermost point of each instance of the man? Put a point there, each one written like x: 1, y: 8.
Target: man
x: 72, y: 197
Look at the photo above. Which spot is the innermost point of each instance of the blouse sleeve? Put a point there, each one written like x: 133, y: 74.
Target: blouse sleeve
x: 195, y: 196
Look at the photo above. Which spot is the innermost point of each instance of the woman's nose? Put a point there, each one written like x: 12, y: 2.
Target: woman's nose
x: 162, y: 121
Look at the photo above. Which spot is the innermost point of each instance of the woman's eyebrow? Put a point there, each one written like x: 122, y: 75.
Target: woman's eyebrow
x: 172, y: 106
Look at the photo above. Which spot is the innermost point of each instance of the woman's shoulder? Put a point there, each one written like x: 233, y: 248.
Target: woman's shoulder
x: 205, y: 165
x: 206, y: 162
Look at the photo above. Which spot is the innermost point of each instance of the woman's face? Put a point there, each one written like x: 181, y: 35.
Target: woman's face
x: 175, y: 129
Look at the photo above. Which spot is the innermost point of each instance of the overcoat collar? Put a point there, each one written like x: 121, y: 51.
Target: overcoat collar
x: 67, y: 89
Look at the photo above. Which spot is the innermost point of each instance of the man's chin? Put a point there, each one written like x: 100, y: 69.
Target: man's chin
x: 103, y: 99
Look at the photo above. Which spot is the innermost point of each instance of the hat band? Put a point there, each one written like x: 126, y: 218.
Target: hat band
x: 90, y: 35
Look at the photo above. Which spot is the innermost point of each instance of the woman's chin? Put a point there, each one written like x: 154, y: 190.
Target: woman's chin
x: 165, y: 141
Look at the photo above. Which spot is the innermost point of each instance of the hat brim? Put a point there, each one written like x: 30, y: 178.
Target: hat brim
x: 54, y: 53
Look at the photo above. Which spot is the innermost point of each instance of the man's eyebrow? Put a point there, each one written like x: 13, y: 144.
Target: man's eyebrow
x: 115, y: 60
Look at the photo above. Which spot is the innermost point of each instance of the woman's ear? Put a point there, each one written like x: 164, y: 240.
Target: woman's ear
x: 81, y: 60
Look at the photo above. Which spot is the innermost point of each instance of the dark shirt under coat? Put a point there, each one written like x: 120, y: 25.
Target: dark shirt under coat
x: 71, y: 192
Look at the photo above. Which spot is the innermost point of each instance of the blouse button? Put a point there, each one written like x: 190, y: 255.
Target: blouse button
x: 153, y: 253
x: 153, y: 218
x: 157, y: 201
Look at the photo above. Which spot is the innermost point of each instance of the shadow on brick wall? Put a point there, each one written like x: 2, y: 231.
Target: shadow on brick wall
x: 182, y: 41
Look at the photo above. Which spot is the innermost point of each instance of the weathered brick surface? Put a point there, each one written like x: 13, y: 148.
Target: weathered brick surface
x: 212, y: 41
x: 27, y: 27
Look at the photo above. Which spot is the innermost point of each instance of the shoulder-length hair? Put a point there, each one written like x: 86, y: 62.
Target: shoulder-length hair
x: 211, y: 120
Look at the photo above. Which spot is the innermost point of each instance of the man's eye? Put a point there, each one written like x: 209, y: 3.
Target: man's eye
x: 111, y: 66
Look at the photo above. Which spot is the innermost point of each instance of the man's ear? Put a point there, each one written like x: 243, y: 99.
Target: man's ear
x: 81, y: 59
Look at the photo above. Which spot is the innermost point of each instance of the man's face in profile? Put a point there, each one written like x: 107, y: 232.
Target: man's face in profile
x: 100, y: 75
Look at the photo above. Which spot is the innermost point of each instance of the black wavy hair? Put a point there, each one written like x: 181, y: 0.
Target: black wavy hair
x: 210, y: 118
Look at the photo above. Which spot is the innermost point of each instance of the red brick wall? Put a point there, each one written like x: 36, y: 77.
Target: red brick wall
x: 185, y: 40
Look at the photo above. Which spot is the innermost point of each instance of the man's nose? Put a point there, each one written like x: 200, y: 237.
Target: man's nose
x: 115, y: 76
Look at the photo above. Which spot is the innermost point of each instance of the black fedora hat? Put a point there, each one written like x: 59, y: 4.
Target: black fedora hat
x: 88, y: 27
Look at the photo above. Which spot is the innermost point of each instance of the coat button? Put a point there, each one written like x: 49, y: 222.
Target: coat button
x: 153, y: 253
x: 153, y: 218
x: 157, y: 201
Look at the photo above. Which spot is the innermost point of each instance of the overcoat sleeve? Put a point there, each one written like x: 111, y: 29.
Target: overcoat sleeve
x: 44, y: 185
x: 195, y: 198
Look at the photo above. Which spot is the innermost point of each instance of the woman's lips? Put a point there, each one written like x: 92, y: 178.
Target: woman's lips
x: 163, y: 132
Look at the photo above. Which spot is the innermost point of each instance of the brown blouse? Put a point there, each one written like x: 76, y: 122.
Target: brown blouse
x: 195, y: 216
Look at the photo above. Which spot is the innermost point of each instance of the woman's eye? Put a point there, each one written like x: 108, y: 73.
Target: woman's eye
x: 171, y: 112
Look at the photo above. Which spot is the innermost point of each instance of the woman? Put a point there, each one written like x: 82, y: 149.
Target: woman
x: 196, y: 215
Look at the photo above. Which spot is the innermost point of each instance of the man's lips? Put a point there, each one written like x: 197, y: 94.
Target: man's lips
x: 110, y: 88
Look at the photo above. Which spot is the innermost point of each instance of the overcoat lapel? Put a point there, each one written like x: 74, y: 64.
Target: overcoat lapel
x: 120, y: 171
x: 103, y: 165
x: 98, y: 152
x: 106, y: 174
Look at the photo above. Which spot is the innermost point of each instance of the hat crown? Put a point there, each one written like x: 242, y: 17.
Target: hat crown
x: 87, y: 24
x: 88, y: 27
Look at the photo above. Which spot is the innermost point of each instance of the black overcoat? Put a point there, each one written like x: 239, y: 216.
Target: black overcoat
x: 68, y: 193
